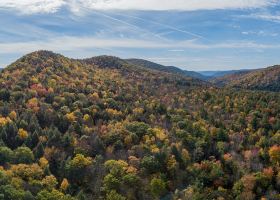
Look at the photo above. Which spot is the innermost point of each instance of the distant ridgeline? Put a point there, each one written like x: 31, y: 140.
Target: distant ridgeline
x: 114, y: 129
x: 259, y: 79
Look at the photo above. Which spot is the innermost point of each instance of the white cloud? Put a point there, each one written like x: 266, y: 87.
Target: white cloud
x: 176, y: 4
x: 76, y: 44
x: 50, y: 6
x: 176, y: 50
x: 263, y: 33
x: 267, y: 17
x: 33, y: 6
x: 245, y: 33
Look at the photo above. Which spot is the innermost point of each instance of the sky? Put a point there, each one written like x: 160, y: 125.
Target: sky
x: 194, y: 35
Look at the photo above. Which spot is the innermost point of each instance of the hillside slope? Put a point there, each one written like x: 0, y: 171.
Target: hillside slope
x: 101, y: 128
x: 227, y: 79
x: 170, y: 69
x: 262, y: 79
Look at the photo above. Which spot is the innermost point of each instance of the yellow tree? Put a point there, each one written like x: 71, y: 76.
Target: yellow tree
x: 64, y: 185
x: 274, y: 153
x: 22, y: 134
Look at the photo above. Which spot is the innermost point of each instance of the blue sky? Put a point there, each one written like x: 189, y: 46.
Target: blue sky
x: 191, y: 34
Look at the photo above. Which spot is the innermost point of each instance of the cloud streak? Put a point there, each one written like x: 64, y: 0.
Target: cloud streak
x: 166, y: 26
x: 76, y: 6
x: 266, y: 17
x: 61, y: 44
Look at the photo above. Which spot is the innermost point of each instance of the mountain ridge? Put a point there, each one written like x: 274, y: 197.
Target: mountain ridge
x: 113, y: 61
x: 42, y: 59
x: 171, y: 69
x: 259, y: 79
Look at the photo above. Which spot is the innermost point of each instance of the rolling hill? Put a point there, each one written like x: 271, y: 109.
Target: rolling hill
x: 261, y: 79
x: 169, y: 69
x: 103, y: 128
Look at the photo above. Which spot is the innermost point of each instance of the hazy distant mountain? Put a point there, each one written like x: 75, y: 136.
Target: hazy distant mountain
x: 214, y: 74
x: 170, y: 69
x: 260, y: 79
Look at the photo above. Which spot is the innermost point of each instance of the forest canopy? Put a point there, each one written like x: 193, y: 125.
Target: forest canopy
x: 102, y: 128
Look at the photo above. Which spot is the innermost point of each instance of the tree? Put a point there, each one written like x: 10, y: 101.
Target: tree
x: 64, y: 185
x: 111, y: 182
x: 150, y: 164
x: 12, y: 193
x: 27, y: 172
x: 13, y: 115
x: 139, y: 128
x: 80, y: 162
x: 243, y: 189
x: 116, y: 167
x: 71, y: 117
x: 53, y: 195
x: 4, y: 95
x: 43, y: 162
x: 24, y: 155
x: 9, y: 135
x: 77, y: 169
x: 158, y: 187
x: 113, y: 195
x: 39, y: 150
x: 33, y: 104
x: 22, y: 134
x: 274, y: 153
x: 6, y: 155
x: 49, y: 182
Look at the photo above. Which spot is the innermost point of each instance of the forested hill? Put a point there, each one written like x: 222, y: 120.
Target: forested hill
x: 262, y: 79
x: 170, y: 69
x: 102, y: 128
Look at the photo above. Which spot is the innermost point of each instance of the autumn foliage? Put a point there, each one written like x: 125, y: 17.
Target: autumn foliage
x: 102, y: 128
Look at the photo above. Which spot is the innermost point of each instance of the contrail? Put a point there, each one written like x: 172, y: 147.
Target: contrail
x: 131, y: 25
x: 165, y: 25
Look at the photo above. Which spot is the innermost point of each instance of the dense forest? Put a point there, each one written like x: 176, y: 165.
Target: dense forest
x: 170, y: 69
x: 103, y: 128
x: 261, y: 79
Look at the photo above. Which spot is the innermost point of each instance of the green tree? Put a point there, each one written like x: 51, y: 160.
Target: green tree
x: 11, y: 193
x: 6, y: 155
x: 158, y: 187
x: 24, y: 155
x: 139, y: 128
x: 53, y: 195
x: 113, y: 195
